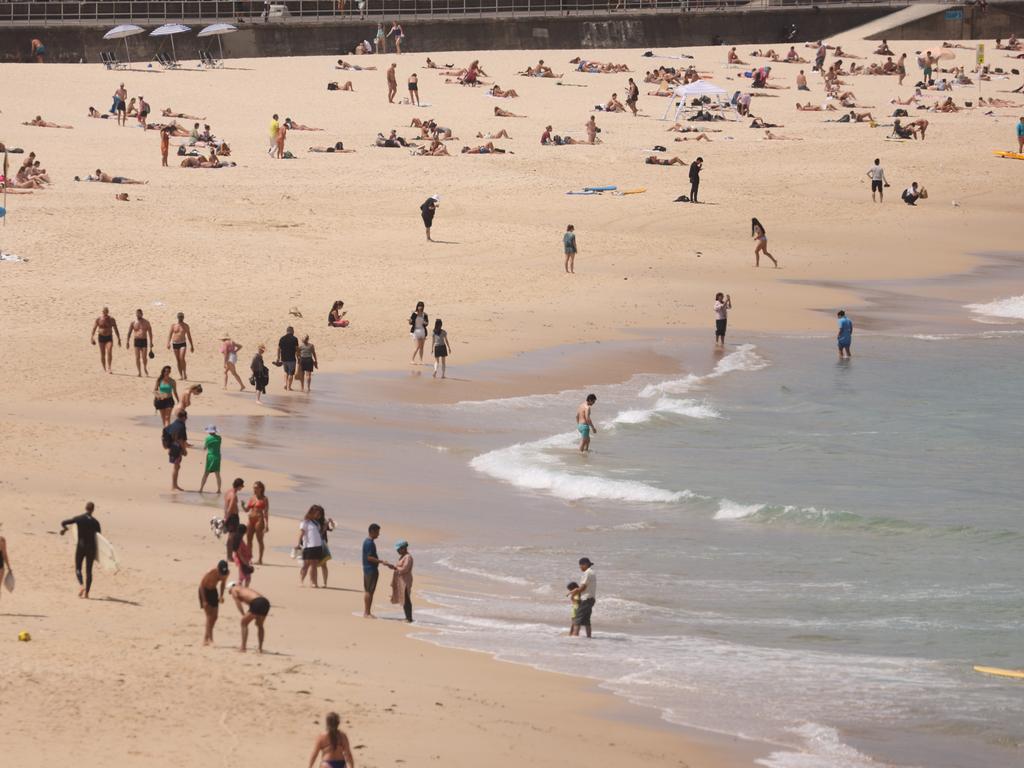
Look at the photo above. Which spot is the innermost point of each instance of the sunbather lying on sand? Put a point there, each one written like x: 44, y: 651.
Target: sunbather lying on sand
x: 293, y: 126
x: 483, y: 149
x: 808, y: 107
x: 680, y: 128
x: 652, y: 160
x: 38, y: 122
x: 499, y: 112
x: 432, y: 65
x: 393, y: 140
x: 498, y: 93
x: 338, y: 147
x: 342, y: 64
x: 436, y: 149
x: 93, y: 112
x: 541, y: 70
x: 769, y: 136
x: 698, y: 137
x: 502, y: 134
x: 167, y: 113
x: 107, y: 179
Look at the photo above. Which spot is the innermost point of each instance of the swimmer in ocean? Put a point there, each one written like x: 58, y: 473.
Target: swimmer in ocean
x: 584, y: 424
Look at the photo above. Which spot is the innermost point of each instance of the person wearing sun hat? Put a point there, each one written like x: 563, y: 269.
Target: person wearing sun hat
x: 401, y: 582
x: 427, y: 211
x: 586, y: 590
x: 212, y: 447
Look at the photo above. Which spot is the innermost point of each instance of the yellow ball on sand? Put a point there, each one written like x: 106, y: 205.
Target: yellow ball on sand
x: 24, y: 637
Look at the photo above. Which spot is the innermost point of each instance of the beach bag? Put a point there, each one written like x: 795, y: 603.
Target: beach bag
x: 900, y: 113
x: 332, y: 86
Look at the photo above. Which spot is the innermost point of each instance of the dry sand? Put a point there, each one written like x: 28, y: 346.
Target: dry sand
x: 124, y: 678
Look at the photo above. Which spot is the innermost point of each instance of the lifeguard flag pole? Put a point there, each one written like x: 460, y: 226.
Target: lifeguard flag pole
x: 5, y: 186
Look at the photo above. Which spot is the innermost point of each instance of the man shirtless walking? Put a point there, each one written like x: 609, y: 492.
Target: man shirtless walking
x: 180, y: 336
x: 106, y: 328
x: 258, y: 606
x: 584, y: 425
x: 140, y: 335
x: 210, y: 599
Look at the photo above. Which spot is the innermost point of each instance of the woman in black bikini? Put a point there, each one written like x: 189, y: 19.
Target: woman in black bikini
x: 332, y: 748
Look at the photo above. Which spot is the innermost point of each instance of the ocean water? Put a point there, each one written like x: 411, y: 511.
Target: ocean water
x: 790, y: 549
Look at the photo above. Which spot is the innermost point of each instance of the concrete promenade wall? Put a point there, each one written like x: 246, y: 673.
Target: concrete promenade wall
x: 997, y: 21
x: 71, y: 43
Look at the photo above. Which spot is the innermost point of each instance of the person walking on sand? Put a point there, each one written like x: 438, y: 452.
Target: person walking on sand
x: 414, y: 89
x: 140, y: 335
x: 439, y: 341
x: 632, y: 96
x: 165, y: 144
x: 258, y: 508
x: 392, y: 76
x: 287, y: 346
x: 592, y: 130
x: 845, y: 336
x: 260, y: 373
x: 275, y: 126
x: 723, y: 303
x: 165, y: 393
x: 311, y: 542
x: 371, y: 569
x: 230, y: 349
x: 757, y: 231
x: 418, y: 322
x: 877, y: 175
x: 584, y: 423
x: 396, y: 30
x: 307, y: 362
x: 587, y: 593
x: 5, y: 565
x: 258, y: 607
x: 209, y: 597
x: 231, y: 520
x: 569, y: 244
x: 332, y: 748
x: 103, y: 332
x: 695, y: 169
x: 86, y: 527
x: 401, y: 581
x: 178, y: 338
x: 211, y: 445
x: 427, y: 211
x: 175, y: 440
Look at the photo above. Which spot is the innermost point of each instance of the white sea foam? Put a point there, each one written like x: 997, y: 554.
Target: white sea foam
x: 730, y: 510
x: 531, y: 466
x: 1003, y: 309
x: 824, y: 750
x: 693, y: 409
x: 446, y: 562
x: 744, y: 358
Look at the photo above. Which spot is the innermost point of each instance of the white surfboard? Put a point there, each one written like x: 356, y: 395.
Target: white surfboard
x: 9, y: 580
x: 105, y: 554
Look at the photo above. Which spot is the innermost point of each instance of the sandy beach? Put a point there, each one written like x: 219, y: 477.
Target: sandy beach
x: 237, y: 249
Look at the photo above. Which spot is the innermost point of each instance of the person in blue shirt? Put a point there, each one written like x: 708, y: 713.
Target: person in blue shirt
x: 371, y: 564
x: 845, y: 335
x: 1020, y: 135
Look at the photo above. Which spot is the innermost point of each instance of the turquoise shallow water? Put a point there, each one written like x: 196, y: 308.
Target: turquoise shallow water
x: 789, y: 548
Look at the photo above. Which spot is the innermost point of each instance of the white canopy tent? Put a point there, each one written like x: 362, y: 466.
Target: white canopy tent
x: 123, y: 32
x: 218, y: 31
x: 694, y: 90
x: 170, y: 30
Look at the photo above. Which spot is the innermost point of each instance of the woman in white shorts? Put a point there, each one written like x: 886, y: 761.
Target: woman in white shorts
x: 418, y: 328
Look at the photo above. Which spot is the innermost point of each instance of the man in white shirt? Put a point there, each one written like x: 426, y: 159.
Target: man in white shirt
x: 877, y: 175
x: 587, y: 593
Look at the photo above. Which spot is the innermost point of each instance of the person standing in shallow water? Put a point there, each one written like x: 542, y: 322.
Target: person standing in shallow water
x: 723, y: 303
x: 845, y: 336
x: 586, y: 591
x: 584, y: 424
x: 401, y: 581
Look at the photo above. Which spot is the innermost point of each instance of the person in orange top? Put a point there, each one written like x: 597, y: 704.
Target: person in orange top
x: 165, y: 143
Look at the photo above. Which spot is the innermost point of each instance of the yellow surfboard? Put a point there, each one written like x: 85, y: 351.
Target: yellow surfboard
x: 1009, y: 155
x: 1017, y: 674
x: 637, y: 191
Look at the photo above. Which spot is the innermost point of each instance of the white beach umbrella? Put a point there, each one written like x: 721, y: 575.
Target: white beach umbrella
x: 123, y: 32
x: 170, y: 30
x: 218, y: 31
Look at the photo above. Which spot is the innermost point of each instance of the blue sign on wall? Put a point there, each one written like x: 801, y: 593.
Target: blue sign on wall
x: 955, y: 15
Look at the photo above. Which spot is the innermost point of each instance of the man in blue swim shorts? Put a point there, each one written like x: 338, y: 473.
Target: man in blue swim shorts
x: 584, y: 424
x: 845, y: 336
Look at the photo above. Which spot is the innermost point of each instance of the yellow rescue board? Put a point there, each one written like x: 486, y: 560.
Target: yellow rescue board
x: 1010, y: 155
x: 1017, y: 674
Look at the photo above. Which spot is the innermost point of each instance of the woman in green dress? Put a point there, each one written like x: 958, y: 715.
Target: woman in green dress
x: 212, y: 447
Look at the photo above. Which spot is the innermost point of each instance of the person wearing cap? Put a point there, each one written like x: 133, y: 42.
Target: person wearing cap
x: 210, y: 599
x: 258, y: 606
x: 586, y: 590
x: 401, y: 582
x: 175, y: 440
x: 212, y: 447
x: 178, y: 337
x: 287, y: 346
x: 427, y: 211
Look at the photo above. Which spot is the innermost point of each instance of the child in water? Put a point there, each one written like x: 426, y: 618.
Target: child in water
x: 574, y: 598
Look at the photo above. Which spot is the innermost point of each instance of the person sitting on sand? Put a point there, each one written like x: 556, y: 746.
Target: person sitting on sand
x: 168, y: 113
x: 338, y: 147
x: 471, y: 76
x: 547, y: 139
x: 758, y: 122
x: 808, y: 107
x: 502, y: 134
x: 342, y: 64
x: 389, y: 142
x: 483, y: 149
x: 614, y: 105
x: 497, y: 92
x: 733, y: 57
x: 653, y: 160
x: 860, y: 117
x: 947, y: 106
x: 38, y: 122
x: 293, y: 126
x: 98, y: 115
x: 131, y: 110
x: 35, y: 172
x: 792, y: 57
x: 993, y: 102
x: 499, y: 112
x: 441, y: 132
x: 883, y: 49
x: 22, y: 180
x: 541, y: 70
x: 436, y: 149
x: 432, y: 65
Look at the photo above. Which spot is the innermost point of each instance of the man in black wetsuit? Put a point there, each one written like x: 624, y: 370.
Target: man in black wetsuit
x: 87, y: 527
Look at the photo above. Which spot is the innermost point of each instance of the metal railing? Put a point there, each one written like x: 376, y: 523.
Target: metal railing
x: 288, y: 11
